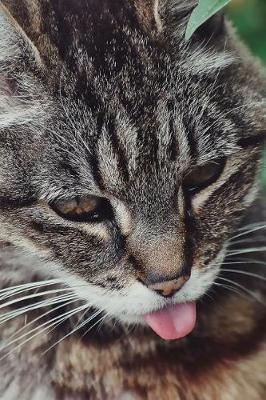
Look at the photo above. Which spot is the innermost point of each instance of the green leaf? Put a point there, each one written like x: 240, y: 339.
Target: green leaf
x: 204, y: 10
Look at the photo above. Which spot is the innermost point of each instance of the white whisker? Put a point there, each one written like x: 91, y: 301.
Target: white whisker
x: 31, y: 286
x: 245, y: 261
x: 251, y: 294
x: 79, y: 326
x: 230, y: 288
x: 254, y: 229
x: 45, y: 303
x: 99, y: 321
x: 244, y: 273
x: 248, y: 240
x: 253, y: 225
x: 47, y: 325
x: 246, y: 251
x: 32, y: 296
x: 65, y: 303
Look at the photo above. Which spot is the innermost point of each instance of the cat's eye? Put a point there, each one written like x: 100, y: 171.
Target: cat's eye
x: 203, y: 176
x: 84, y: 209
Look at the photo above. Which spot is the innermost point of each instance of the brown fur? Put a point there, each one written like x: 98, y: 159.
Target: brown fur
x: 145, y: 14
x: 229, y: 363
x: 225, y: 357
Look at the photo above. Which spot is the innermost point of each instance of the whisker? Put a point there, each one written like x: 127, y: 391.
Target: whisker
x: 226, y: 263
x: 32, y: 296
x: 246, y: 251
x: 254, y: 229
x: 208, y: 295
x: 74, y: 330
x: 248, y: 240
x: 64, y: 304
x: 100, y: 322
x: 45, y: 303
x: 31, y: 286
x: 251, y: 294
x: 47, y: 325
x: 253, y: 225
x: 230, y: 288
x: 15, y: 290
x: 244, y: 273
x: 33, y: 292
x: 114, y: 321
x: 81, y: 318
x: 245, y: 261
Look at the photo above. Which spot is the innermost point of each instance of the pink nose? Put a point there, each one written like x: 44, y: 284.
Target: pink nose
x: 167, y: 288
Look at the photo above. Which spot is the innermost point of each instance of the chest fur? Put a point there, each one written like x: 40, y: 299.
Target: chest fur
x: 129, y: 369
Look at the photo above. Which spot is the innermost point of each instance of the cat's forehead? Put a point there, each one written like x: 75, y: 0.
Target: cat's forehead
x: 128, y: 104
x: 153, y: 107
x: 108, y: 33
x: 143, y: 157
x: 161, y: 122
x: 116, y: 79
x: 110, y: 67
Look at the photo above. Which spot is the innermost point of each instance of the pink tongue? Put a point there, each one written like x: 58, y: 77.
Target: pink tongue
x: 173, y: 322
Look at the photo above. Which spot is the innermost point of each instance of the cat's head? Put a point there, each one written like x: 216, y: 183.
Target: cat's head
x: 128, y: 156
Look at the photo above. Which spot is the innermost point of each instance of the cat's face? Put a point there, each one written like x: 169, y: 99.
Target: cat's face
x: 127, y: 167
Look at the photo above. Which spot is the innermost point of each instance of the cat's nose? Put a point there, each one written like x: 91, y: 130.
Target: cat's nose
x: 166, y: 288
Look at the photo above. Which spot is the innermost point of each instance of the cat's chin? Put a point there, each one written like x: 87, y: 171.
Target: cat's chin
x: 132, y: 319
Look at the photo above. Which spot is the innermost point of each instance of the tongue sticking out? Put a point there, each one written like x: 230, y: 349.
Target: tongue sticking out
x: 173, y: 322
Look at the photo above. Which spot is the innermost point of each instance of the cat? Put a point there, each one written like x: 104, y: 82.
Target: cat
x: 132, y: 222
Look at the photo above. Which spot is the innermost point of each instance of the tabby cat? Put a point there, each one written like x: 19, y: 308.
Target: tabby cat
x: 132, y: 225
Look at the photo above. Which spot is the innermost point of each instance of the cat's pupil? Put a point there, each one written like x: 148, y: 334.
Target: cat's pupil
x: 203, y: 176
x: 83, y: 209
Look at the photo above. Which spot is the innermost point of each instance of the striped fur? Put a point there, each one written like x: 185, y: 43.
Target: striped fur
x: 106, y: 98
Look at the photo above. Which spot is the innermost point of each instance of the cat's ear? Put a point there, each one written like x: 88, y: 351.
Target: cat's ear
x: 20, y: 62
x: 15, y: 45
x: 172, y: 17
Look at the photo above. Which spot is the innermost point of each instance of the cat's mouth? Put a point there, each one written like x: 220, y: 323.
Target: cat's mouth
x: 173, y: 321
x: 136, y: 305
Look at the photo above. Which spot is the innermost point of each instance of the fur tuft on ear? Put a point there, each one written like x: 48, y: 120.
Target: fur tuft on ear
x: 22, y: 102
x: 14, y: 43
x: 172, y: 13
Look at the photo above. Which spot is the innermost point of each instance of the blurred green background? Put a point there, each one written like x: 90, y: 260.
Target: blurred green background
x: 249, y: 17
